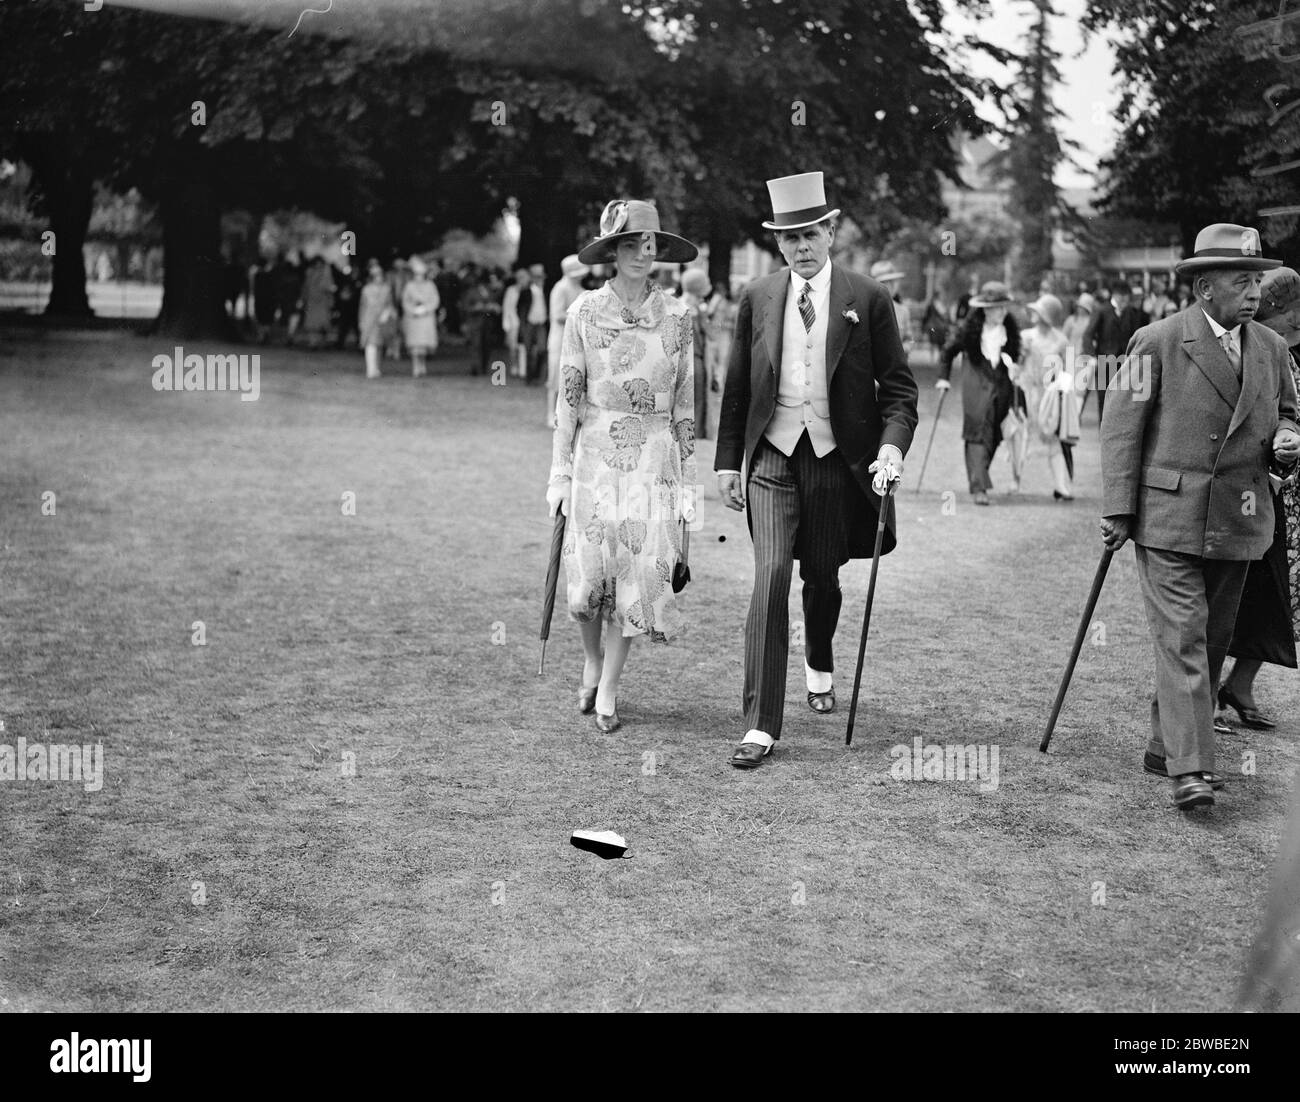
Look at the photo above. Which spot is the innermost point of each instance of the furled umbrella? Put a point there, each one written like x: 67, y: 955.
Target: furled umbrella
x: 552, y: 580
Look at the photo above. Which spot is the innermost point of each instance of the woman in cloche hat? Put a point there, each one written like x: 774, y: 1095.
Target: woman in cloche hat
x: 420, y: 303
x: 623, y: 454
x: 1050, y: 394
x: 990, y: 340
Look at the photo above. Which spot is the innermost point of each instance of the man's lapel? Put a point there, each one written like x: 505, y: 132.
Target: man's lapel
x: 1254, y: 366
x: 1208, y: 355
x: 837, y: 325
x: 773, y: 322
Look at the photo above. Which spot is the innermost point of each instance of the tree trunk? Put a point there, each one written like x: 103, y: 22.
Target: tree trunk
x: 719, y: 258
x: 193, y: 306
x: 67, y: 187
x: 547, y: 234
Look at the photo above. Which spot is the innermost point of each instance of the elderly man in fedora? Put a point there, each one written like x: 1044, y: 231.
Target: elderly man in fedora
x: 1202, y: 403
x: 884, y: 273
x: 821, y: 407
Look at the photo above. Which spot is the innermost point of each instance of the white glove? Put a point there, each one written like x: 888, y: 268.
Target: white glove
x: 557, y: 497
x: 688, y: 504
x: 886, y: 470
x: 942, y: 384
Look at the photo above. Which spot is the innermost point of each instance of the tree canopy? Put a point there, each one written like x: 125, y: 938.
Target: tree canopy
x: 407, y: 120
x: 1203, y: 115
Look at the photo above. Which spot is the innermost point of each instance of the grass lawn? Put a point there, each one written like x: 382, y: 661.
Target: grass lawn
x: 230, y: 863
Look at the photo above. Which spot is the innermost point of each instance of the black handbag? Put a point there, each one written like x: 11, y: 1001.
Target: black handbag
x: 682, y: 572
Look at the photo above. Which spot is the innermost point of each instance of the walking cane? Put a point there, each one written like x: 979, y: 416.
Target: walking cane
x: 935, y: 428
x: 552, y: 579
x: 866, y: 619
x: 1097, y: 581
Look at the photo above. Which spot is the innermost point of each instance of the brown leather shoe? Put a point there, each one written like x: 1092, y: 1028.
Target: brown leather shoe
x: 1192, y: 790
x: 822, y: 702
x: 749, y: 755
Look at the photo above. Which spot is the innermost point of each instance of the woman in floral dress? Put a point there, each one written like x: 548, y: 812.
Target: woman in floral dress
x: 623, y: 458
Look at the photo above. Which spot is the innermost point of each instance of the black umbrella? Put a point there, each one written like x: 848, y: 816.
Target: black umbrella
x: 552, y: 578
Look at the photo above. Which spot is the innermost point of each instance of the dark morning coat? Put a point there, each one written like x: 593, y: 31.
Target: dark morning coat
x: 872, y: 394
x: 1190, y: 458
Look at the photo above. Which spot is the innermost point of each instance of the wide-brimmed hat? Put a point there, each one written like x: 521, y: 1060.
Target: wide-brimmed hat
x: 883, y: 271
x: 1279, y: 291
x: 798, y: 201
x: 1049, y: 308
x: 1085, y: 302
x: 633, y: 218
x: 1225, y: 245
x: 993, y: 293
x: 572, y: 266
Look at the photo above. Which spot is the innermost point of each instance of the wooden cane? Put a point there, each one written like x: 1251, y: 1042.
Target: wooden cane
x: 933, y: 429
x: 1091, y: 607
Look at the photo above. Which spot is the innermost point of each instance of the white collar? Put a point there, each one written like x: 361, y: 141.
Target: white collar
x: 1219, y: 330
x: 819, y: 283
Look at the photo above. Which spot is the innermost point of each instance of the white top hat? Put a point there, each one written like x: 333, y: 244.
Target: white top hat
x: 798, y: 201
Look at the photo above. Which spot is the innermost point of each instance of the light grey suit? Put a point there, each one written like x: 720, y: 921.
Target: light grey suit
x: 1186, y: 455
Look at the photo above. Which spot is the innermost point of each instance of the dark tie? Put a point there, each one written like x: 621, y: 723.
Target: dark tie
x: 806, y: 310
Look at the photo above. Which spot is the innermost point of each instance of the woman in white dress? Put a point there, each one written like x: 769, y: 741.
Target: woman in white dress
x: 1050, y: 394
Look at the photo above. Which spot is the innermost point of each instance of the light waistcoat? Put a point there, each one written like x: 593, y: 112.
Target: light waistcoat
x: 801, y: 397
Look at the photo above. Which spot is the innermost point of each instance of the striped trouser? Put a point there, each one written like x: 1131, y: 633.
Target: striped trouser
x: 788, y: 496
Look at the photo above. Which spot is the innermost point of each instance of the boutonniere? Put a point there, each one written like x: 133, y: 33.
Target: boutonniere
x: 851, y: 316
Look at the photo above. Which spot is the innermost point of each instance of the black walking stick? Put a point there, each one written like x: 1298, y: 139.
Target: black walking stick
x: 935, y: 428
x: 1097, y: 581
x: 552, y: 579
x: 866, y: 619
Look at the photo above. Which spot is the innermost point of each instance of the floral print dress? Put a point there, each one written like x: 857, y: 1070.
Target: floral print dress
x: 625, y: 436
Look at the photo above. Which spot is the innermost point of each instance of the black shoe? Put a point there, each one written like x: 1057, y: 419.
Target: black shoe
x: 822, y: 703
x: 1062, y: 497
x: 1250, y: 717
x: 1155, y: 765
x: 1192, y: 790
x: 749, y: 755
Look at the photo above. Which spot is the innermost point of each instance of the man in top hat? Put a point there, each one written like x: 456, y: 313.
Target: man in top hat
x: 821, y: 406
x: 1202, y: 404
x: 563, y: 295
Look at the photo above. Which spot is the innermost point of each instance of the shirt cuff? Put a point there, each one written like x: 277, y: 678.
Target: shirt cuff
x: 726, y: 472
x: 884, y: 448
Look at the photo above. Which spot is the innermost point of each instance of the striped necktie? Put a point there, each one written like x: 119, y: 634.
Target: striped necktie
x: 1234, y: 352
x: 806, y: 310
